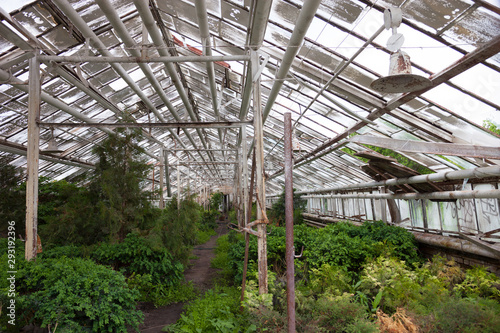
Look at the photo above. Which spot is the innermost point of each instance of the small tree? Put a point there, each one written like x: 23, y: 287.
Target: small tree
x: 118, y: 184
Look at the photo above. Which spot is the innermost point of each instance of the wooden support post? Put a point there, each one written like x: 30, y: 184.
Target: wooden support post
x: 32, y: 157
x: 245, y: 173
x: 162, y: 203
x: 178, y: 186
x: 247, y: 236
x: 167, y: 173
x: 261, y: 186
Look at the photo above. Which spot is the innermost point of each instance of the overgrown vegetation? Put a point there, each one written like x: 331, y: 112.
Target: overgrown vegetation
x: 105, y: 247
x: 353, y: 279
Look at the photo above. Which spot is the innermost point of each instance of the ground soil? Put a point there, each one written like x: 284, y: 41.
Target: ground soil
x: 199, y: 272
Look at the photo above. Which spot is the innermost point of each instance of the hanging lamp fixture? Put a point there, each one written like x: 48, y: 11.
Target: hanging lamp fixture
x: 400, y: 78
x: 52, y: 146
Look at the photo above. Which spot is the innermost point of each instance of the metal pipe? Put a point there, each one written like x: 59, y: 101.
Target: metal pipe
x: 81, y: 25
x: 142, y: 59
x: 491, y: 171
x: 470, y: 194
x: 260, y: 16
x: 150, y: 24
x: 219, y: 124
x: 18, y: 149
x: 206, y: 163
x: 289, y: 248
x: 201, y: 12
x: 34, y: 90
x: 302, y: 24
x: 201, y: 149
x: 124, y: 35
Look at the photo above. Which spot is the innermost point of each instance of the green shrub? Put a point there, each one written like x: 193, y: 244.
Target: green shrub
x: 222, y: 259
x: 69, y: 251
x: 342, y: 314
x: 161, y: 294
x: 465, y: 315
x: 479, y: 283
x: 77, y: 295
x: 136, y: 255
x: 204, y: 236
x: 216, y: 311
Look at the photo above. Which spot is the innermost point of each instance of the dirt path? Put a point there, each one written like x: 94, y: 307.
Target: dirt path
x: 199, y: 272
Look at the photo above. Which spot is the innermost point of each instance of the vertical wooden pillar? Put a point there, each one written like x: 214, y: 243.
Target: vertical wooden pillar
x: 162, y: 203
x: 32, y: 156
x: 178, y: 186
x: 167, y: 173
x: 245, y: 173
x: 261, y: 185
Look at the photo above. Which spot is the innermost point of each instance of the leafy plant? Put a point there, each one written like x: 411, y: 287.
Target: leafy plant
x: 76, y: 295
x: 479, y: 283
x: 216, y: 311
x: 136, y: 255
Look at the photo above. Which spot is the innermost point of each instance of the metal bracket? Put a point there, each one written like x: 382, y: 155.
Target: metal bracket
x: 257, y: 67
x: 301, y: 253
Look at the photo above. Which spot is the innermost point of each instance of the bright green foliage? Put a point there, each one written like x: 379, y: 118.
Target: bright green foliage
x: 488, y: 124
x: 398, y: 240
x: 479, y: 283
x: 341, y: 245
x: 216, y: 311
x: 329, y: 279
x: 136, y: 255
x: 77, y: 295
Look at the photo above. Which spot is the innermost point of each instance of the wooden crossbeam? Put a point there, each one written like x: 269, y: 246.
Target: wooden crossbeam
x: 429, y: 147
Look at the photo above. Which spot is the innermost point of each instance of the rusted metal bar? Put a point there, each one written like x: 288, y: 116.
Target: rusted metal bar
x: 261, y: 188
x: 289, y: 249
x: 32, y: 159
x: 193, y: 124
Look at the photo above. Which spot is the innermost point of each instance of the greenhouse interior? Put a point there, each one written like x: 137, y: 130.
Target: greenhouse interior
x: 250, y: 166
